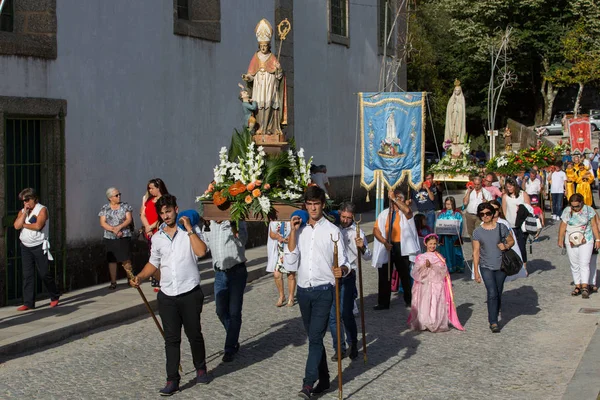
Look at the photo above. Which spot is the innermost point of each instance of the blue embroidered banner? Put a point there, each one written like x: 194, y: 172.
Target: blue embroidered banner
x: 392, y: 127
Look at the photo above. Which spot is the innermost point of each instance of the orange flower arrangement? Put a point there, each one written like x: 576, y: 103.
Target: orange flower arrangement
x: 266, y: 186
x: 256, y: 192
x: 248, y: 199
x: 237, y: 188
x: 218, y: 198
x: 251, y: 186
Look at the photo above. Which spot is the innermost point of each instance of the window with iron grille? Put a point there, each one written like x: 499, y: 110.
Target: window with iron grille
x: 183, y: 9
x: 338, y: 22
x: 7, y: 16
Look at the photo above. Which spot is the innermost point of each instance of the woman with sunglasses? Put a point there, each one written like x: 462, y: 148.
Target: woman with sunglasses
x: 511, y: 200
x: 499, y: 218
x: 490, y: 239
x: 115, y: 218
x: 154, y: 190
x: 578, y: 227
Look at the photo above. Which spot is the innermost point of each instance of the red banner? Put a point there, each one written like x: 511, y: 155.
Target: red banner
x: 581, y: 136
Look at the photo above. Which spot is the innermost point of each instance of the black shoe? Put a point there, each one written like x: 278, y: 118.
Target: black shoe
x: 202, y: 377
x: 228, y: 356
x: 495, y: 328
x: 171, y: 388
x: 305, y: 392
x: 353, y: 351
x: 379, y: 307
x: 322, y: 386
x: 334, y: 356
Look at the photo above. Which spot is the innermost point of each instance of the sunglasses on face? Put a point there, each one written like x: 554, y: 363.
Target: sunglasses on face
x: 117, y: 195
x: 485, y: 214
x: 576, y: 207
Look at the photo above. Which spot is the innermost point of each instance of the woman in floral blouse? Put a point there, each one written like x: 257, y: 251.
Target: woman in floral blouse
x: 115, y: 218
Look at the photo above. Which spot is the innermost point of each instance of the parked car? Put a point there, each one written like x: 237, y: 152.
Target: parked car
x: 431, y: 157
x: 595, y: 122
x: 554, y: 127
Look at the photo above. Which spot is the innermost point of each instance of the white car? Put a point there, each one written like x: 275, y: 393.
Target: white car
x: 594, y: 122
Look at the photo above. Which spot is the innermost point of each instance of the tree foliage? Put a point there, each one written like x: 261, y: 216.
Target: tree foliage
x: 452, y: 39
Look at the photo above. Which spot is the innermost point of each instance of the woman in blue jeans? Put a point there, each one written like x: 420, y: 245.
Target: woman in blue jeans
x: 489, y: 240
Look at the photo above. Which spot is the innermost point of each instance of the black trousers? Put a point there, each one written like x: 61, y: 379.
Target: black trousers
x: 34, y: 257
x: 402, y: 265
x: 176, y: 311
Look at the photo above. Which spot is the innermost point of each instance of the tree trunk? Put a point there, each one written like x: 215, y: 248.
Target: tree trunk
x: 549, y: 92
x: 579, y: 93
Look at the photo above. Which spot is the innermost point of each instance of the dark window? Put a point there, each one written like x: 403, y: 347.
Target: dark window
x: 382, y: 33
x: 183, y: 9
x: 339, y: 17
x: 7, y: 16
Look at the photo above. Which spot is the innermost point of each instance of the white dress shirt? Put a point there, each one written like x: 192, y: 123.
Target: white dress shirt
x: 176, y: 260
x: 533, y: 186
x: 349, y: 235
x: 476, y: 198
x: 313, y: 255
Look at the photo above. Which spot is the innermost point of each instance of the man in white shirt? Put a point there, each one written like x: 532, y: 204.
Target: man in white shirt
x: 174, y: 252
x: 348, y: 283
x: 310, y: 252
x: 474, y: 196
x: 557, y: 189
x: 532, y: 183
x: 227, y: 246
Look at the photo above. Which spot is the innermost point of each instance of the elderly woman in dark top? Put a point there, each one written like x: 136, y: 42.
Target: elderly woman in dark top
x: 115, y: 218
x: 489, y: 240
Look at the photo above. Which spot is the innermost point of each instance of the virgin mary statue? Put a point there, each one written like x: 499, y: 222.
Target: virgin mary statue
x: 456, y: 130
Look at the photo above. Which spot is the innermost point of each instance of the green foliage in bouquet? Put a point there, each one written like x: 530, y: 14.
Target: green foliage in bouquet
x: 248, y: 181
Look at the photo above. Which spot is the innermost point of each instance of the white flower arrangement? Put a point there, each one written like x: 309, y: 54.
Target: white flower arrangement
x: 241, y: 186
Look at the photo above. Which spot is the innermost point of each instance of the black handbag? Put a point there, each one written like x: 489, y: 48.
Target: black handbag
x: 511, y: 262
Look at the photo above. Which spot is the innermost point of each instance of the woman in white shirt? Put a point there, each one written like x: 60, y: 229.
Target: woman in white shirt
x: 35, y: 249
x: 511, y: 200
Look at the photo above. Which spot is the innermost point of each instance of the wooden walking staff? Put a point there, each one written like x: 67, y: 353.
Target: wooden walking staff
x: 360, y: 289
x: 160, y: 329
x: 283, y: 28
x: 389, y: 240
x: 337, y: 316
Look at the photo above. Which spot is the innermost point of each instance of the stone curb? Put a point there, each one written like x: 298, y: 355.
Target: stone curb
x: 585, y: 384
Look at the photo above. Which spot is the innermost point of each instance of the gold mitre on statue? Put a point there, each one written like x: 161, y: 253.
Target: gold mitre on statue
x: 263, y: 31
x: 456, y: 82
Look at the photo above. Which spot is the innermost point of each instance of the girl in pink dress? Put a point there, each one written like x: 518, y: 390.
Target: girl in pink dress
x: 432, y: 298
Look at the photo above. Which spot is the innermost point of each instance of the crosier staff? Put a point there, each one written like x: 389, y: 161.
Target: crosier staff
x: 337, y: 315
x: 284, y: 27
x: 360, y: 286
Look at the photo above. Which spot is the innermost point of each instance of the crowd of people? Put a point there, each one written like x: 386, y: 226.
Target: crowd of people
x: 419, y: 237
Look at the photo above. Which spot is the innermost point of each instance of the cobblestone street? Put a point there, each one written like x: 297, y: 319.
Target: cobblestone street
x: 542, y: 341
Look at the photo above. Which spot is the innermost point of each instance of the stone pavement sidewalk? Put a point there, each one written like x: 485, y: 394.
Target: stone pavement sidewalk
x: 540, y: 354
